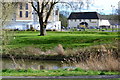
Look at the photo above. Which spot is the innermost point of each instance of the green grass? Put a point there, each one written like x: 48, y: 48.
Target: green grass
x: 59, y: 72
x: 69, y: 40
x: 114, y: 29
x: 97, y: 30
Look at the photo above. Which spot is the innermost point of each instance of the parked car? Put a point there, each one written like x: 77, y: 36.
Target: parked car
x: 80, y: 28
x: 92, y: 27
x: 104, y: 26
x: 97, y: 28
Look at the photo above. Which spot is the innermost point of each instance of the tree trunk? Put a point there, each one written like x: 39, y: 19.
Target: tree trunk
x: 41, y: 27
x: 41, y: 30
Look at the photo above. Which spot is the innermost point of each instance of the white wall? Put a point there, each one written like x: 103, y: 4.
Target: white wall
x: 23, y: 26
x: 50, y: 26
x: 74, y: 23
x: 93, y: 22
x: 54, y: 26
x: 104, y: 22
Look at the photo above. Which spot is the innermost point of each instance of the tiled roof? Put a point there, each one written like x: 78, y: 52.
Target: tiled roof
x: 84, y: 15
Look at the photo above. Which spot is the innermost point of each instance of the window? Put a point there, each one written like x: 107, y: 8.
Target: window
x: 90, y: 20
x: 27, y: 26
x: 26, y: 6
x: 20, y: 5
x: 56, y: 12
x: 20, y: 13
x: 31, y: 27
x: 26, y: 14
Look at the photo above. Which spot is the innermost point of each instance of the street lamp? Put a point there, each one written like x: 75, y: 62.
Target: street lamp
x: 112, y: 9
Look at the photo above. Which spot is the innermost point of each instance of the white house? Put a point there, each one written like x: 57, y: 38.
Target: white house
x: 25, y: 17
x: 86, y: 19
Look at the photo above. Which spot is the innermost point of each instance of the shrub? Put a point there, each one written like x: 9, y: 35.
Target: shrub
x: 59, y: 49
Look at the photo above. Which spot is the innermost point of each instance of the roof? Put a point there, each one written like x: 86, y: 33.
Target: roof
x: 113, y: 19
x: 114, y: 22
x: 84, y: 15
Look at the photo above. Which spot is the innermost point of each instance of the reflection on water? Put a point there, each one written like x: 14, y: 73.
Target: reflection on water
x: 33, y: 64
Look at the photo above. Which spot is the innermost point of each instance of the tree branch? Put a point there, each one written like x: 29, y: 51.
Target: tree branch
x: 46, y: 4
x: 34, y: 7
x: 38, y: 7
x: 49, y: 12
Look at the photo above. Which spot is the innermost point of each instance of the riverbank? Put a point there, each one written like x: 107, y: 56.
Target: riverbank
x: 102, y: 57
x: 78, y: 54
x: 59, y: 72
x: 58, y: 45
x: 96, y: 50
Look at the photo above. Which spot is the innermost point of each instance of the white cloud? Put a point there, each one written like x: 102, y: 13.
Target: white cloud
x: 104, y: 4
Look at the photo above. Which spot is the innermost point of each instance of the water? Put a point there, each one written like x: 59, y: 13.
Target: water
x: 34, y: 64
x: 38, y: 64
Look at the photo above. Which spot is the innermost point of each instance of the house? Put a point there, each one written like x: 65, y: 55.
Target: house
x: 86, y: 20
x: 113, y: 20
x: 26, y: 18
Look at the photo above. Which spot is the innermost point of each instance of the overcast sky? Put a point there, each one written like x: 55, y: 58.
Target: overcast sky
x: 100, y: 6
x: 104, y: 6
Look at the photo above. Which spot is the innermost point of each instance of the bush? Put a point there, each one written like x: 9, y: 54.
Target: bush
x: 78, y: 69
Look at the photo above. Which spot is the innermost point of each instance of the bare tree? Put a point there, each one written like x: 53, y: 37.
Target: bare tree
x: 44, y: 9
x: 7, y: 10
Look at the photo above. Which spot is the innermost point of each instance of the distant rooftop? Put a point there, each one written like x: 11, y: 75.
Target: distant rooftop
x: 84, y: 15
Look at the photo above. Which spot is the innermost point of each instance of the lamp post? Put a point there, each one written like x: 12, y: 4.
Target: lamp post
x: 112, y: 9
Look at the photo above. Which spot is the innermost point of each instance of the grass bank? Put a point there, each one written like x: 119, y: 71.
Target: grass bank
x: 59, y: 72
x: 69, y: 40
x: 27, y: 44
x: 96, y: 50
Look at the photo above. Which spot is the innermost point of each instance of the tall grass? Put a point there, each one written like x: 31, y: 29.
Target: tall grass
x: 90, y: 50
x: 101, y: 57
